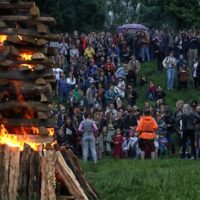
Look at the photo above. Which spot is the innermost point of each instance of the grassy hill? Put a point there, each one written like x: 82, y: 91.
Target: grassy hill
x: 149, y: 70
x: 161, y: 179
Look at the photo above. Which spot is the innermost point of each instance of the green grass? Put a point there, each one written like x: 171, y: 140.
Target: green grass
x: 165, y: 179
x: 149, y: 70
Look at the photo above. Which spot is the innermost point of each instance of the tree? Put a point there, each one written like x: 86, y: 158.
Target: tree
x: 81, y: 15
x: 171, y: 13
x: 123, y: 11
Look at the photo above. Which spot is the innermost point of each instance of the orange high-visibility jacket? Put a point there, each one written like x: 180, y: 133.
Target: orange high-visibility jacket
x: 147, y: 127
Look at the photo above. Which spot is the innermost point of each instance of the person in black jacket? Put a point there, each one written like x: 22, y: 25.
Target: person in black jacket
x: 188, y: 120
x: 170, y: 122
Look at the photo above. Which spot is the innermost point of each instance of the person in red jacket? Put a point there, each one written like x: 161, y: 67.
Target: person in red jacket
x: 118, y: 140
x: 146, y: 129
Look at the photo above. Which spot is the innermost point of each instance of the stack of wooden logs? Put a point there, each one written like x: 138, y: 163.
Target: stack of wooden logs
x: 26, y: 66
x: 32, y: 175
x: 25, y: 98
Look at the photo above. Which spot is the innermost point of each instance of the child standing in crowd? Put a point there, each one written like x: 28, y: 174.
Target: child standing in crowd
x: 118, y: 140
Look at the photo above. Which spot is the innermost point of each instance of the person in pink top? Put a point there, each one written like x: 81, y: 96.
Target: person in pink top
x: 88, y: 129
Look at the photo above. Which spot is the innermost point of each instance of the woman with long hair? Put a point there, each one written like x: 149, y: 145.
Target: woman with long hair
x: 189, y: 119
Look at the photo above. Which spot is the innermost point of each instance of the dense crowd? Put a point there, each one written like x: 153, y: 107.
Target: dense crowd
x: 97, y: 75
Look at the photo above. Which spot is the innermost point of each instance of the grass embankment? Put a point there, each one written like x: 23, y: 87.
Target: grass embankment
x: 127, y: 179
x: 149, y: 70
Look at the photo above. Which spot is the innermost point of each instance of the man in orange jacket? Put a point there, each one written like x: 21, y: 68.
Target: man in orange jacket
x: 146, y: 128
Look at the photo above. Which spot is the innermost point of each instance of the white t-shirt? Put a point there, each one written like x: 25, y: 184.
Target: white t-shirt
x: 70, y: 81
x: 56, y: 73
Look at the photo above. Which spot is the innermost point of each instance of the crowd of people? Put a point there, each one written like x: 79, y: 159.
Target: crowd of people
x: 97, y: 78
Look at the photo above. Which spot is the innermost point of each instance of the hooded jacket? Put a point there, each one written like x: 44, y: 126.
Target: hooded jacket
x: 147, y: 127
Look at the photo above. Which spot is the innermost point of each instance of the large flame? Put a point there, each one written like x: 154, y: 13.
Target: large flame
x: 14, y: 140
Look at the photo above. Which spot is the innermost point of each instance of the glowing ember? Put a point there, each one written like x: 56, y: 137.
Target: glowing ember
x: 2, y: 39
x: 26, y: 56
x: 51, y: 131
x: 35, y: 130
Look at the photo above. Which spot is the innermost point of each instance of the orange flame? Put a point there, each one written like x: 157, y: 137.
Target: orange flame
x: 2, y: 39
x: 16, y: 140
x: 51, y: 131
x: 13, y: 141
x: 27, y: 56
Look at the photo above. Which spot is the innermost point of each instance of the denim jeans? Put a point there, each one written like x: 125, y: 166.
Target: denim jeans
x: 170, y: 78
x: 88, y: 141
x: 144, y: 51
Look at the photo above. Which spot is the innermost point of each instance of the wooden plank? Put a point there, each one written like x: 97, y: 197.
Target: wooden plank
x: 4, y: 171
x: 74, y: 164
x: 18, y: 18
x: 14, y: 160
x: 16, y: 6
x: 26, y: 88
x: 62, y: 197
x: 36, y: 138
x: 69, y: 178
x: 20, y: 75
x: 48, y: 184
x: 31, y: 105
x: 24, y: 175
x: 28, y: 122
x: 34, y: 11
x: 11, y: 63
x: 28, y: 32
x: 35, y: 177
